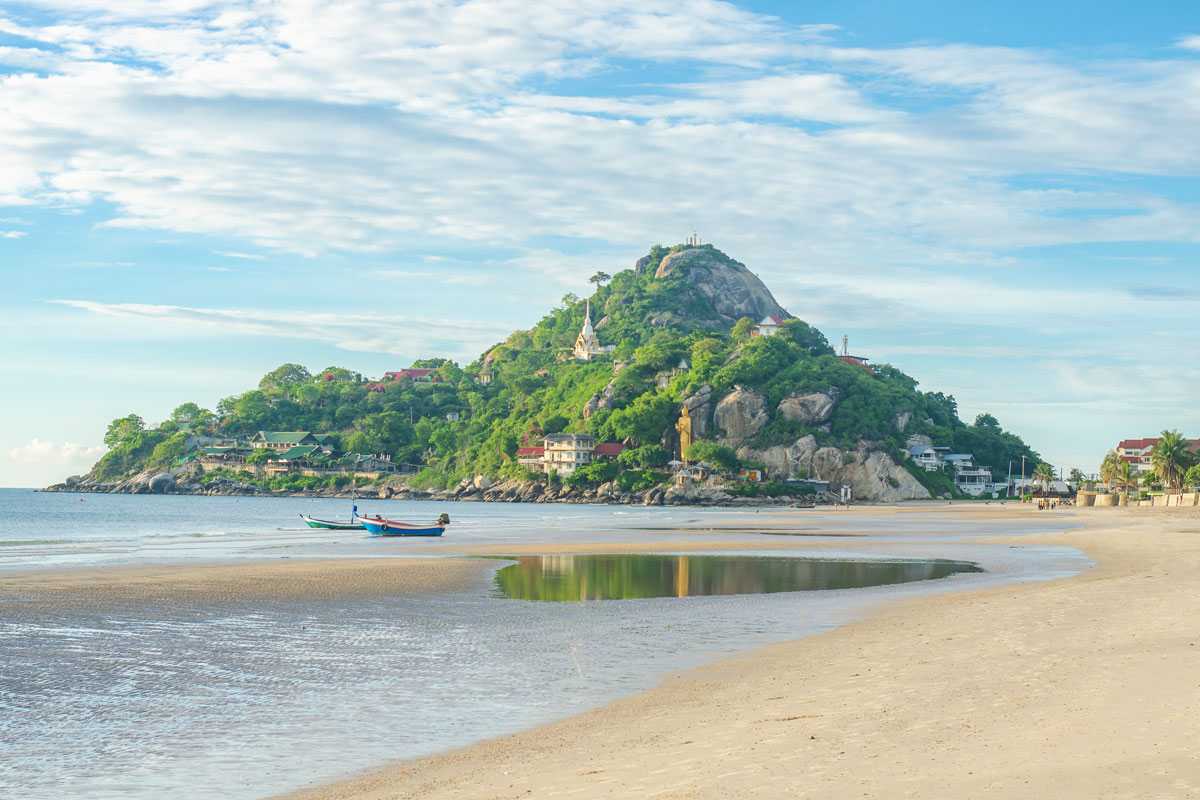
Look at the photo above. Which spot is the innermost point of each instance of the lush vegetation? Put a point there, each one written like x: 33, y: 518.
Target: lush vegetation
x: 537, y: 387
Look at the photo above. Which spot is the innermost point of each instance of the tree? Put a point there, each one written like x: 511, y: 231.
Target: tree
x: 119, y: 430
x: 1076, y: 476
x: 1109, y: 467
x: 986, y: 420
x: 1044, y: 474
x: 741, y: 329
x: 718, y: 455
x: 1126, y: 477
x: 1170, y: 459
x: 1192, y: 478
x: 600, y: 278
x: 284, y: 375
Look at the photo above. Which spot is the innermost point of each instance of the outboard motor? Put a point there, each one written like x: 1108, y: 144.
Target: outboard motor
x: 444, y: 519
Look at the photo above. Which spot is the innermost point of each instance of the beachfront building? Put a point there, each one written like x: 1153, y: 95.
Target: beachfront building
x: 566, y: 452
x: 586, y: 344
x: 1138, y: 451
x: 968, y: 478
x: 532, y: 458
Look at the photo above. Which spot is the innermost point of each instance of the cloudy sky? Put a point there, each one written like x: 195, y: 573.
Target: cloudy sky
x: 1002, y: 202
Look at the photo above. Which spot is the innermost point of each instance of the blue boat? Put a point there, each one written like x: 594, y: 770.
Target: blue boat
x: 378, y: 526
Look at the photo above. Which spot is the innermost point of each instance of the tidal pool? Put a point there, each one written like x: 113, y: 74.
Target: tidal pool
x: 626, y: 576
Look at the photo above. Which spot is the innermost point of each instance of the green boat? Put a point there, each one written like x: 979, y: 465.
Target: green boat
x: 332, y: 524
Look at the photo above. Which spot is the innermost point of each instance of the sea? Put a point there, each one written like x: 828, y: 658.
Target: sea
x: 229, y: 699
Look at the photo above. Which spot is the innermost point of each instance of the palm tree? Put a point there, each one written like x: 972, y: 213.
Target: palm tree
x: 1109, y: 467
x: 1127, y: 478
x: 1043, y: 474
x: 1170, y: 459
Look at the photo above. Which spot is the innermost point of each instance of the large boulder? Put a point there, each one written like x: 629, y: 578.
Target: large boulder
x: 741, y: 414
x: 732, y: 290
x: 811, y: 409
x: 162, y: 482
x: 700, y: 408
x: 826, y: 462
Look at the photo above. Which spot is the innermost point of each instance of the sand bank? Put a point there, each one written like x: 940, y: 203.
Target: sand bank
x: 240, y: 582
x: 1080, y: 688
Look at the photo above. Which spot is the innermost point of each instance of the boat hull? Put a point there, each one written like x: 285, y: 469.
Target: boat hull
x: 331, y: 525
x: 378, y: 526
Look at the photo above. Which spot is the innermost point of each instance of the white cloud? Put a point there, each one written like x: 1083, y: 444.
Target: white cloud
x: 1189, y: 43
x: 247, y: 256
x: 304, y: 127
x: 11, y: 234
x: 42, y: 453
x: 380, y: 333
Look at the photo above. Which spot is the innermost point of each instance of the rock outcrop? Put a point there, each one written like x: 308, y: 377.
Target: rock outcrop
x: 811, y: 409
x: 605, y: 398
x: 740, y: 415
x: 700, y: 409
x: 732, y: 290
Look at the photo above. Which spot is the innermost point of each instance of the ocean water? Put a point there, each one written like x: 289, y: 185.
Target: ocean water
x: 241, y: 700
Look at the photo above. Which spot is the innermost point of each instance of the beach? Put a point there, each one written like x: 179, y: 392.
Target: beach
x: 1083, y: 687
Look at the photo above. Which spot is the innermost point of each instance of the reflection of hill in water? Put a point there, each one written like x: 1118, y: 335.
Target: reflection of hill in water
x: 627, y: 577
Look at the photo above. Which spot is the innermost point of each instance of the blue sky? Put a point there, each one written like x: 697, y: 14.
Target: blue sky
x: 999, y: 199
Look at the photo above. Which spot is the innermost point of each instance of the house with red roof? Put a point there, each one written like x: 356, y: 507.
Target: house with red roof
x: 769, y: 326
x: 1138, y: 451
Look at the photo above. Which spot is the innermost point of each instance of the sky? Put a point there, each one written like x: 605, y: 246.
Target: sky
x: 998, y: 199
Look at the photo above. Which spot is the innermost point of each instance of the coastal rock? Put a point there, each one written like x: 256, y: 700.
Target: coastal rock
x: 162, y: 482
x: 732, y: 290
x: 900, y: 421
x: 874, y: 476
x: 811, y: 409
x: 918, y: 439
x: 72, y: 481
x: 482, y: 482
x: 740, y: 415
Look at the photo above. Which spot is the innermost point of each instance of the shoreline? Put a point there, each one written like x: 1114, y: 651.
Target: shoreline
x: 1077, y: 687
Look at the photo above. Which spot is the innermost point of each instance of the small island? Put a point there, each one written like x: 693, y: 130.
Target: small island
x: 680, y: 380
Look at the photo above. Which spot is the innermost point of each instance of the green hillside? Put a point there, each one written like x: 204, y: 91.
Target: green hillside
x: 537, y: 386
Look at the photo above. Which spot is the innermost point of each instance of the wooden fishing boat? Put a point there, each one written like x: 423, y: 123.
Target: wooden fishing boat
x: 332, y: 524
x: 378, y: 526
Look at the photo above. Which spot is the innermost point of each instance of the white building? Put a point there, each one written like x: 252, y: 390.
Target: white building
x: 769, y: 326
x: 566, y: 452
x: 586, y: 344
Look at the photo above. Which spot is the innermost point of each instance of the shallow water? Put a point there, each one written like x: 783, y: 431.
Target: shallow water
x: 633, y: 576
x: 238, y: 700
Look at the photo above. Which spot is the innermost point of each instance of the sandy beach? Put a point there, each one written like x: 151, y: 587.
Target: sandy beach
x: 1085, y: 687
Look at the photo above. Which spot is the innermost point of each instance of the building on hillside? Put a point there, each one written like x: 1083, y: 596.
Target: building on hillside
x: 372, y: 463
x: 928, y: 457
x: 453, y: 416
x: 768, y: 326
x: 531, y: 458
x: 415, y: 375
x: 586, y: 344
x: 484, y: 376
x: 607, y: 451
x: 566, y: 452
x: 858, y: 361
x: 663, y: 378
x: 285, y: 440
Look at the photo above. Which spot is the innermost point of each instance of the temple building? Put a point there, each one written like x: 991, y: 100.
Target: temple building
x: 587, y: 345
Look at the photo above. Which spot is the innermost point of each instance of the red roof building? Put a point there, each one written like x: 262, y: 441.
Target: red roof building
x: 609, y: 450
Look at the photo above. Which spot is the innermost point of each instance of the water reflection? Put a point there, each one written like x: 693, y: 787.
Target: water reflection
x: 629, y: 576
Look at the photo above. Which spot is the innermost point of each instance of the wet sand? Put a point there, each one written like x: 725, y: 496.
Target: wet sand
x: 240, y: 582
x: 1079, y: 688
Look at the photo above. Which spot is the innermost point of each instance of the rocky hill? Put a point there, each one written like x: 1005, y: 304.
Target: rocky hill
x: 678, y: 327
